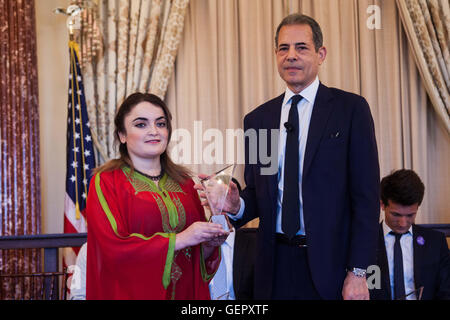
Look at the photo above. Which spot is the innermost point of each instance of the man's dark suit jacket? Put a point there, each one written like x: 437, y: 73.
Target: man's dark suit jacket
x: 340, y: 189
x: 244, y: 263
x: 431, y: 265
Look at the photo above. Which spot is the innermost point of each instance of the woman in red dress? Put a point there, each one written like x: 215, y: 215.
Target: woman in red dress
x: 147, y: 232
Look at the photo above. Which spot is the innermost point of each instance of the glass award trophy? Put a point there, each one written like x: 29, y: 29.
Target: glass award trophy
x: 216, y: 190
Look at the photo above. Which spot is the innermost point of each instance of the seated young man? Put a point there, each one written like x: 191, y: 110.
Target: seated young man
x: 410, y: 257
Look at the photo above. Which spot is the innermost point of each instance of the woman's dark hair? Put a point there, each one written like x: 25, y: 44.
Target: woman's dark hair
x: 176, y: 172
x: 402, y: 187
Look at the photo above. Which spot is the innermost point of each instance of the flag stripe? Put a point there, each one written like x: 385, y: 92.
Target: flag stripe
x: 79, y: 225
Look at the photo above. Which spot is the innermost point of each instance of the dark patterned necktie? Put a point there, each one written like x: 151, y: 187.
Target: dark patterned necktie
x: 290, y: 219
x: 399, y: 279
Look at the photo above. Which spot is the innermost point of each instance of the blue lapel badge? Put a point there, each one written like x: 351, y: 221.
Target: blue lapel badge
x: 420, y: 240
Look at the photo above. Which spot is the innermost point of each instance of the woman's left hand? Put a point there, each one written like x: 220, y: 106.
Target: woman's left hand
x: 211, y: 245
x: 217, y: 241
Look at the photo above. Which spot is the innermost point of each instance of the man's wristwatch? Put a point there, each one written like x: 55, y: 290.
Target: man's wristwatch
x: 360, y: 273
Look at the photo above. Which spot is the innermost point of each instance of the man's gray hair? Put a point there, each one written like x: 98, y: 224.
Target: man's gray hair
x: 301, y: 19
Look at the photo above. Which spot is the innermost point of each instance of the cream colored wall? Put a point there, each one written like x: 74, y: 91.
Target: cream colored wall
x: 53, y: 67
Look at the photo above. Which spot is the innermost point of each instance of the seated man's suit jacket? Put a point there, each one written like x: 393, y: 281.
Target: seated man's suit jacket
x: 431, y: 265
x: 244, y: 263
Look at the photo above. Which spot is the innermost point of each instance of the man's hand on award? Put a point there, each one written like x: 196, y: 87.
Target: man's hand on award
x: 221, y: 195
x: 232, y: 202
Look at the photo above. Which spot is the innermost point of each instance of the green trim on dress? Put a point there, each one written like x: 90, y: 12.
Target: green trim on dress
x: 205, y: 276
x: 173, y: 214
x: 141, y: 183
x: 112, y: 221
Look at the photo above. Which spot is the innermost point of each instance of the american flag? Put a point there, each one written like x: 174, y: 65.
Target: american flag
x: 80, y: 155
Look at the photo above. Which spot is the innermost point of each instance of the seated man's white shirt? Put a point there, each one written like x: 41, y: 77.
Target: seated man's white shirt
x: 227, y: 250
x: 406, y: 243
x: 78, y: 283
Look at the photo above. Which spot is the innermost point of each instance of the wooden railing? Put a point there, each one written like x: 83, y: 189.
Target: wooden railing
x: 444, y: 228
x: 50, y: 243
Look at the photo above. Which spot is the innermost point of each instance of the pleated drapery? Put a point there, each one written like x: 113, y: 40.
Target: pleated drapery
x: 427, y: 24
x: 129, y: 46
x: 20, y: 204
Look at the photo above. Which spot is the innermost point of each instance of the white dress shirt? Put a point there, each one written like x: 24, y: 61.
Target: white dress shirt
x: 305, y: 108
x: 406, y: 243
x: 78, y: 281
x: 227, y: 250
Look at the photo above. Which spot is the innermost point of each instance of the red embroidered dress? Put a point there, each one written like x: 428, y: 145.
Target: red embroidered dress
x: 132, y: 225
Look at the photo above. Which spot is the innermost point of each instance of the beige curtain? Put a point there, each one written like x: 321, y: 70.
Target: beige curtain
x: 226, y: 67
x: 427, y: 25
x: 136, y: 52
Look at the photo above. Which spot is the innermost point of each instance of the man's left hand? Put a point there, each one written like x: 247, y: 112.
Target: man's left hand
x: 355, y: 288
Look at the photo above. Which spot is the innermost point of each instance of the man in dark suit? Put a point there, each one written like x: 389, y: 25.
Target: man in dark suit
x: 409, y: 256
x: 319, y: 212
